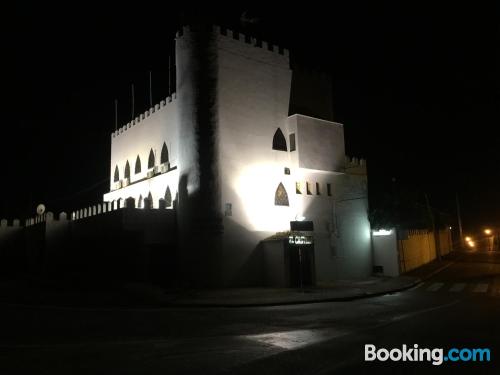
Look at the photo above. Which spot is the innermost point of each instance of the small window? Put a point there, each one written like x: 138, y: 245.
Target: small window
x: 127, y: 170
x: 228, y: 209
x: 164, y: 154
x: 168, y: 197
x: 137, y: 165
x: 151, y: 159
x: 308, y: 188
x: 298, y: 188
x: 117, y: 175
x: 281, y: 197
x: 318, y: 192
x: 279, y: 141
x: 329, y: 189
x: 292, y: 142
x: 287, y: 170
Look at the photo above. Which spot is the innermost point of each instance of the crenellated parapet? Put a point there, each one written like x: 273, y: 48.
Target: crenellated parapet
x: 354, y: 165
x: 163, y: 105
x: 5, y: 224
x: 46, y: 217
x: 236, y: 35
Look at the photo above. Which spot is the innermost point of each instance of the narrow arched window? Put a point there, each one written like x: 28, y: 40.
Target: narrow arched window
x: 168, y: 197
x: 148, y: 202
x: 164, y: 154
x: 281, y: 197
x: 151, y: 159
x: 139, y: 203
x: 138, y: 165
x: 127, y: 170
x: 117, y: 175
x: 279, y: 141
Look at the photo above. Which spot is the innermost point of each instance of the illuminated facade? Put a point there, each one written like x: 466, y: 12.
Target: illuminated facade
x: 245, y: 145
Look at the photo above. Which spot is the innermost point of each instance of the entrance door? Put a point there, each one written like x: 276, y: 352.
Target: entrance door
x: 301, y: 265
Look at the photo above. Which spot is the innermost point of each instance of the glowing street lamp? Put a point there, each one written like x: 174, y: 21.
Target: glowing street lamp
x: 468, y: 239
x: 487, y: 231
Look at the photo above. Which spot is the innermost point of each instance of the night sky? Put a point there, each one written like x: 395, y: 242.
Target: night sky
x: 416, y: 86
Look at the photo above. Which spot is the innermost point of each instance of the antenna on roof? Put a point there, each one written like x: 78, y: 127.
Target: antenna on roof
x: 116, y: 114
x: 169, y: 90
x: 133, y: 99
x: 150, y: 91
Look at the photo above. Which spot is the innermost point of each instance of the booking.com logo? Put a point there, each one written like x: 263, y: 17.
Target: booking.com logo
x: 415, y: 354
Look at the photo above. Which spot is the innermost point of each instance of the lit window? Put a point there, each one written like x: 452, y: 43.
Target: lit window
x: 292, y: 142
x: 279, y: 141
x: 281, y: 197
x: 329, y: 189
x: 308, y: 188
x: 298, y: 188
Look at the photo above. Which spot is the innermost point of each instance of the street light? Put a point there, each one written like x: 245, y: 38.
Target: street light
x: 487, y: 231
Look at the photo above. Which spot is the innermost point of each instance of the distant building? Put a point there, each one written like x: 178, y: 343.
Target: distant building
x: 244, y: 146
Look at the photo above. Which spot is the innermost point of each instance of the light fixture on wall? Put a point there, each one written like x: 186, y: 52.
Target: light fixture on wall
x: 382, y: 232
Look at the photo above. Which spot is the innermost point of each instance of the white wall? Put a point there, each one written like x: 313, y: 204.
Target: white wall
x: 385, y: 253
x: 157, y: 186
x: 139, y: 138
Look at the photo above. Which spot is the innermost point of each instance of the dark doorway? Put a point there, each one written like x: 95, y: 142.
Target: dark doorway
x: 301, y: 265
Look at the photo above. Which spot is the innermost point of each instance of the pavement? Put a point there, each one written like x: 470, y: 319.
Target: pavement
x: 342, y: 290
x: 141, y: 295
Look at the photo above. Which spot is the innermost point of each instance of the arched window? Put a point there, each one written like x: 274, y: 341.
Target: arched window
x: 117, y: 175
x: 151, y: 159
x: 138, y: 165
x: 148, y: 202
x: 279, y: 141
x: 168, y: 197
x: 139, y: 202
x: 164, y: 154
x: 281, y: 197
x: 127, y: 170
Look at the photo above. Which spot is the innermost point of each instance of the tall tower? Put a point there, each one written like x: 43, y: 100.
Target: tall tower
x: 199, y: 217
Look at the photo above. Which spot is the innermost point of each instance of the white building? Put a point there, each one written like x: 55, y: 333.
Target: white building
x: 243, y: 147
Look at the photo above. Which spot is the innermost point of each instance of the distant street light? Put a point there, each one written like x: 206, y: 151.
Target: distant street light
x: 487, y: 231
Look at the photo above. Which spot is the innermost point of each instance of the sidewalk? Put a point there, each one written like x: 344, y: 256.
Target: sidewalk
x: 344, y: 290
x: 138, y: 295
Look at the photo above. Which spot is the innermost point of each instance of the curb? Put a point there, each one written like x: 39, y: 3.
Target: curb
x: 414, y: 283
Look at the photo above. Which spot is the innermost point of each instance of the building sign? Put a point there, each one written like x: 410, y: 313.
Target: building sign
x: 301, y: 233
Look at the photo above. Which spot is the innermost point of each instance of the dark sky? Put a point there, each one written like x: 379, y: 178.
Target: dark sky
x: 416, y: 86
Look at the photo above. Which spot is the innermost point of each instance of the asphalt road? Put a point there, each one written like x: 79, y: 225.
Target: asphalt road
x: 458, y: 308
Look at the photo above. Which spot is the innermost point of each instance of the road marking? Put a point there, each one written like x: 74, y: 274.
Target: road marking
x: 458, y: 287
x: 435, y: 287
x: 297, y: 338
x: 481, y: 288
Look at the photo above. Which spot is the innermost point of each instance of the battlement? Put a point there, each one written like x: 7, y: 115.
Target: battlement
x: 354, y: 165
x: 157, y: 107
x: 4, y: 224
x: 46, y: 217
x: 236, y: 35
